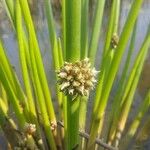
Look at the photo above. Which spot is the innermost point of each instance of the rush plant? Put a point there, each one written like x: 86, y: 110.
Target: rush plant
x: 36, y: 125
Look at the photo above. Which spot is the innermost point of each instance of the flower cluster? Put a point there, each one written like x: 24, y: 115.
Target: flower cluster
x: 30, y: 128
x: 77, y: 78
x: 114, y: 41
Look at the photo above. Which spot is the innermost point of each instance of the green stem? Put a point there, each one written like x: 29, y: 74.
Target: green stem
x: 64, y: 27
x: 114, y: 67
x: 10, y: 9
x: 143, y: 108
x: 72, y: 44
x: 38, y: 59
x: 41, y: 102
x: 24, y: 63
x: 14, y: 101
x: 113, y: 25
x: 15, y: 85
x: 96, y: 28
x: 73, y: 28
x: 84, y: 28
x: 129, y: 97
x: 74, y: 122
x: 117, y: 98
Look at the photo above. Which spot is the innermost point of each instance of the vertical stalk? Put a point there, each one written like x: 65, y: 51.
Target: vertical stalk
x: 114, y: 67
x: 84, y: 54
x: 10, y: 9
x: 4, y: 95
x: 118, y: 97
x: 24, y: 64
x: 113, y: 25
x: 106, y: 62
x: 25, y: 74
x: 15, y: 85
x: 64, y: 27
x: 73, y: 30
x: 54, y: 44
x: 143, y: 108
x: 38, y: 59
x: 74, y: 121
x: 96, y: 28
x: 60, y: 52
x: 40, y: 98
x: 72, y: 39
x: 84, y: 28
x: 129, y: 98
x: 14, y: 101
x: 82, y: 119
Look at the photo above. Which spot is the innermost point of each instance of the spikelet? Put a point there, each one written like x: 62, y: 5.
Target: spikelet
x: 77, y: 78
x: 30, y: 128
x: 114, y: 41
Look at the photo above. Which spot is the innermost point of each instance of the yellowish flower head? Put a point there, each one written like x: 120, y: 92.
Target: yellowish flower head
x: 77, y: 78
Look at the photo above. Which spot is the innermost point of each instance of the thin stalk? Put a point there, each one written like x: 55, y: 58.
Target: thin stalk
x: 117, y: 98
x: 96, y: 28
x: 84, y: 28
x: 3, y: 106
x: 67, y: 134
x: 120, y: 49
x: 9, y: 5
x: 128, y: 86
x: 84, y: 54
x: 4, y: 95
x: 129, y: 98
x: 114, y: 67
x: 24, y: 64
x: 64, y: 27
x: 61, y: 62
x: 42, y: 104
x: 12, y: 18
x: 113, y: 25
x: 13, y: 80
x: 52, y: 34
x: 14, y: 101
x: 55, y: 46
x: 107, y: 58
x: 38, y: 58
x: 26, y: 79
x: 116, y: 18
x: 144, y: 47
x: 125, y: 110
x: 106, y: 62
x: 60, y: 95
x: 143, y: 108
x: 60, y: 52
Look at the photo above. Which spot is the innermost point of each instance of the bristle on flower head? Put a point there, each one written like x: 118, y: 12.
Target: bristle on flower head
x: 77, y: 78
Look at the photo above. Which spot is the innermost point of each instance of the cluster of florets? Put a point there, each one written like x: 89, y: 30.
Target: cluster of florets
x: 30, y: 128
x: 77, y: 78
x: 114, y: 41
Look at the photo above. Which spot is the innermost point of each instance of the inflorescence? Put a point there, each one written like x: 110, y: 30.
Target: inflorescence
x: 77, y: 78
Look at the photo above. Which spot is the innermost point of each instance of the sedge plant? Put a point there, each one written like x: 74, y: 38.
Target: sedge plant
x: 35, y: 124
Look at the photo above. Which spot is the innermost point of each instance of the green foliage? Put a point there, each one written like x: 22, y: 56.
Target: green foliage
x: 32, y: 101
